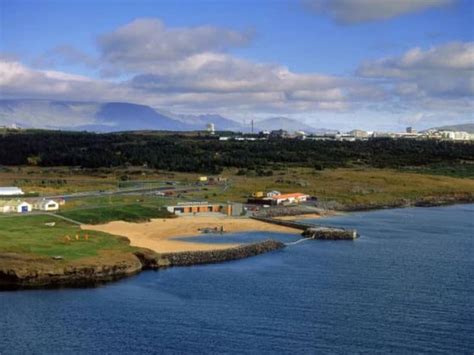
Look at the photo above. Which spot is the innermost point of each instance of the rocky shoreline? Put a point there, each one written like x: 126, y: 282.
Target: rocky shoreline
x: 434, y: 201
x: 20, y: 272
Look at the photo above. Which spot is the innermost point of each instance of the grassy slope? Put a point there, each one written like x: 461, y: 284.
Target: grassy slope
x: 29, y: 235
x: 129, y: 213
x: 351, y: 186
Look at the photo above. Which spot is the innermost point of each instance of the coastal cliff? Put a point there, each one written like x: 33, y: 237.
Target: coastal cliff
x: 21, y: 272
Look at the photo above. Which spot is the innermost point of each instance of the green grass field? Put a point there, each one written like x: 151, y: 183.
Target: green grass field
x: 29, y: 235
x: 129, y: 213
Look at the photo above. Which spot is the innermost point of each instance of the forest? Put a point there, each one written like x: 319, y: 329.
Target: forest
x: 177, y: 152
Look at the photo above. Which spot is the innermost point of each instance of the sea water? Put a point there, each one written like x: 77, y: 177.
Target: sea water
x: 405, y: 286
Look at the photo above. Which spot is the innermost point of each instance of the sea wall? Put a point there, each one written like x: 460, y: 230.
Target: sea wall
x: 322, y: 233
x: 208, y: 257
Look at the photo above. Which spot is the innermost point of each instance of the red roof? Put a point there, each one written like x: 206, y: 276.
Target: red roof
x: 293, y: 195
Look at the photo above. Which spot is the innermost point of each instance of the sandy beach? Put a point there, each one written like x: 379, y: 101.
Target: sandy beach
x: 158, y: 233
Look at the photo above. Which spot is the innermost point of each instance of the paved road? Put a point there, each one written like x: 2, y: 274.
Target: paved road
x: 122, y: 192
x: 39, y: 213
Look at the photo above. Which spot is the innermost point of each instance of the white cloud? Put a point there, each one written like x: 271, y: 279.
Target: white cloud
x: 359, y: 11
x: 163, y: 72
x: 144, y: 42
x: 443, y: 71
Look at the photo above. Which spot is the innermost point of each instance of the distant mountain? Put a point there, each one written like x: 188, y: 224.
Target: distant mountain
x: 122, y: 116
x: 284, y: 123
x: 465, y: 127
x: 102, y: 117
x: 127, y: 117
x: 221, y: 123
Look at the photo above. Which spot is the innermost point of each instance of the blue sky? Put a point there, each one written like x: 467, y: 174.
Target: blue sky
x: 339, y: 63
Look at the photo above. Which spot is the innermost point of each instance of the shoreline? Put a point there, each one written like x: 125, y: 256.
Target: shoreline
x: 17, y: 272
x: 160, y: 235
x: 405, y: 203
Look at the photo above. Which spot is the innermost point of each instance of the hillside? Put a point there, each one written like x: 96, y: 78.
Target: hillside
x: 465, y: 127
x: 285, y: 123
x: 103, y: 117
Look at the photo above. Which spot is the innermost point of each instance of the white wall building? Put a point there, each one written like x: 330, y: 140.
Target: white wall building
x: 15, y: 206
x: 46, y: 205
x: 290, y: 198
x: 10, y: 191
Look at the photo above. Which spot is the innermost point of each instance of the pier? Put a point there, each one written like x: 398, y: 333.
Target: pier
x: 312, y: 231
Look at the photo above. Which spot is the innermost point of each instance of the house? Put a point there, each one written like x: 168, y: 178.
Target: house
x: 15, y: 206
x: 10, y: 191
x: 46, y: 205
x: 289, y: 198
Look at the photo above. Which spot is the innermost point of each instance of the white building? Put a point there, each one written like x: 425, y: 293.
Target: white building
x: 358, y: 133
x: 46, y: 205
x: 290, y: 198
x: 15, y: 206
x: 211, y: 128
x: 10, y: 191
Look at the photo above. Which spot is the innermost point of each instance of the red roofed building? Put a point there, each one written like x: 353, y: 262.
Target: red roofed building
x: 290, y: 198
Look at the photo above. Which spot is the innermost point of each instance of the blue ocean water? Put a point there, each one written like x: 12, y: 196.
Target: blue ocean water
x: 405, y: 286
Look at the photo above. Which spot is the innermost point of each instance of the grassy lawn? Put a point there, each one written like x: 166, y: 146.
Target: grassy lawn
x: 130, y: 213
x: 29, y: 235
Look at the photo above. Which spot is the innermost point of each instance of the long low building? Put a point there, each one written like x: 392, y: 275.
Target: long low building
x: 290, y: 198
x: 10, y: 191
x: 197, y: 207
x: 229, y: 209
x: 276, y: 198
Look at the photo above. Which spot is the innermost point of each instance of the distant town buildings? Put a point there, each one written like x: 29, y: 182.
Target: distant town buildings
x: 356, y: 135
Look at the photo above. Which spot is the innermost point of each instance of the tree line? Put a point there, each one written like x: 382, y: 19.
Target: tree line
x: 209, y: 155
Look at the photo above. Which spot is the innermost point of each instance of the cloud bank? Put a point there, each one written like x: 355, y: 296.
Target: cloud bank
x: 192, y: 70
x: 359, y: 11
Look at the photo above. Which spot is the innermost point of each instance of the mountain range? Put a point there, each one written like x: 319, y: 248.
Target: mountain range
x: 122, y: 116
x: 464, y: 127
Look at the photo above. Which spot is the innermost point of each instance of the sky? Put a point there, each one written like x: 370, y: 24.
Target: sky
x: 342, y: 64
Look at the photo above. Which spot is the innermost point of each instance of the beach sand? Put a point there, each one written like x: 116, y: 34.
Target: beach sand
x: 158, y: 233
